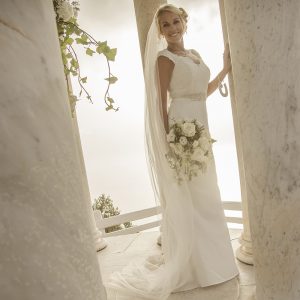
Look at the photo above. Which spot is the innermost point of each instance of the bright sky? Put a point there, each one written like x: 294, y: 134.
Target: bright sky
x: 113, y: 143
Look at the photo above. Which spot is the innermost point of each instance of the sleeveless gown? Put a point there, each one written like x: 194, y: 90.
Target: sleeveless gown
x: 210, y: 260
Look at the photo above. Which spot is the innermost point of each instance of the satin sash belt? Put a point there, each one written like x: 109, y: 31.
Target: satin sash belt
x: 193, y: 97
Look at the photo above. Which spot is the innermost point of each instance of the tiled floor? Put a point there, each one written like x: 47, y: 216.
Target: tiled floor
x: 122, y: 249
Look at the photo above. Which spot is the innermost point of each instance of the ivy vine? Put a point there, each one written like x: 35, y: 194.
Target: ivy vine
x: 71, y: 33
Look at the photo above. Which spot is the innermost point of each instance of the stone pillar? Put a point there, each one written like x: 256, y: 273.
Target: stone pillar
x: 144, y: 13
x: 244, y: 253
x: 100, y: 243
x: 265, y: 48
x: 46, y: 243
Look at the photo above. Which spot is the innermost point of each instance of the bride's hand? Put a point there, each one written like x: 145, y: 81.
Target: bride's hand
x: 226, y: 59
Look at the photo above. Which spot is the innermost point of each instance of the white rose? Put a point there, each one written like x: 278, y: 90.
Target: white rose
x: 189, y: 129
x: 183, y: 140
x: 198, y: 155
x: 171, y: 136
x: 65, y: 11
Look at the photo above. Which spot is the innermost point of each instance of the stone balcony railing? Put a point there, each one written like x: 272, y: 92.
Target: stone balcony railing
x: 140, y: 215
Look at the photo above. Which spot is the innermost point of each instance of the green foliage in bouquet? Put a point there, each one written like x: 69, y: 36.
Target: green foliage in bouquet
x: 107, y: 209
x: 70, y: 33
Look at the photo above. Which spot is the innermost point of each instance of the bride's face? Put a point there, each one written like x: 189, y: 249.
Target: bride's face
x: 171, y: 27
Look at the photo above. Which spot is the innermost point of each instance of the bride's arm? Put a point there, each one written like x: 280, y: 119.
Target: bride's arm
x: 165, y: 69
x: 213, y: 85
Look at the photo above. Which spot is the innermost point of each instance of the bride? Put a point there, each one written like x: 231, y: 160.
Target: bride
x: 196, y: 248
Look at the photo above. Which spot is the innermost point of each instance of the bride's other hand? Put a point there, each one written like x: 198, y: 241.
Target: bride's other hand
x: 226, y: 59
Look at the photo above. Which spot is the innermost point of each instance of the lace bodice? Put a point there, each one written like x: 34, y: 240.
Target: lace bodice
x: 189, y: 79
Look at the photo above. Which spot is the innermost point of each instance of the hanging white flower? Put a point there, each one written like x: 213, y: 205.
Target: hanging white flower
x: 189, y: 129
x: 65, y: 11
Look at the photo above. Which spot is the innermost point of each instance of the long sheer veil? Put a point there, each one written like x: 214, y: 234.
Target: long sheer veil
x: 176, y: 226
x: 154, y: 279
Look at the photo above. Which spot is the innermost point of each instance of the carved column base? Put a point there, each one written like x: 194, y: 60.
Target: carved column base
x: 99, y: 241
x: 244, y: 253
x: 97, y: 234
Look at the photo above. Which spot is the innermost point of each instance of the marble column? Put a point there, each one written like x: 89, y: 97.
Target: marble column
x: 265, y: 48
x: 100, y: 243
x: 144, y: 12
x: 244, y: 253
x: 46, y: 242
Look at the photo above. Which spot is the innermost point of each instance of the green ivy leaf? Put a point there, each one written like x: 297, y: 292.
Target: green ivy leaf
x: 84, y: 37
x: 69, y: 41
x: 110, y: 100
x: 67, y: 71
x: 84, y: 79
x: 111, y: 54
x: 89, y: 51
x: 62, y: 46
x: 69, y: 55
x: 80, y: 41
x: 77, y: 31
x: 72, y: 20
x: 73, y: 98
x: 99, y: 50
x: 74, y: 63
x: 70, y: 29
x: 64, y: 59
x: 111, y: 79
x: 102, y: 47
x: 109, y: 108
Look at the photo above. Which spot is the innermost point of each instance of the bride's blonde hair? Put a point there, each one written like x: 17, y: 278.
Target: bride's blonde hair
x: 171, y: 8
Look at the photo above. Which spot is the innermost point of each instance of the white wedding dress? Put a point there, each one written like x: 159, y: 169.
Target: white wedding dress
x: 196, y: 246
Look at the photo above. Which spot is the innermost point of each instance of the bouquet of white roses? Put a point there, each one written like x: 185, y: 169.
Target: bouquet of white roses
x: 190, y: 148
